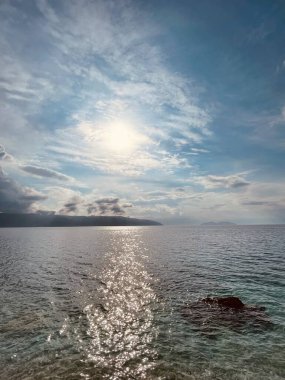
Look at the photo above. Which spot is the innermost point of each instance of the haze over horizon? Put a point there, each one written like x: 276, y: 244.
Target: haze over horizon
x: 166, y: 110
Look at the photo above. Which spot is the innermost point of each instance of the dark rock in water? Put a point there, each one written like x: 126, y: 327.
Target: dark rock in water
x: 228, y: 302
x: 210, y: 315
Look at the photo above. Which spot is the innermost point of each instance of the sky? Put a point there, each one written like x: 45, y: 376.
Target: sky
x: 168, y: 110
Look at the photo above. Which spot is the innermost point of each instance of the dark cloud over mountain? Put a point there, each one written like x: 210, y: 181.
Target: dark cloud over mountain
x: 107, y: 206
x: 71, y: 206
x: 17, y: 199
x: 14, y: 198
x: 103, y: 206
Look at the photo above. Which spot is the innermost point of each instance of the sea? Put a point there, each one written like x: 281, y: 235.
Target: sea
x: 126, y: 303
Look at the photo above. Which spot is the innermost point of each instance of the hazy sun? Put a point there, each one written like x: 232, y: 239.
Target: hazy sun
x: 122, y: 137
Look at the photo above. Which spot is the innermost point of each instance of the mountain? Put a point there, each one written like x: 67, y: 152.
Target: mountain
x: 218, y: 224
x: 51, y: 220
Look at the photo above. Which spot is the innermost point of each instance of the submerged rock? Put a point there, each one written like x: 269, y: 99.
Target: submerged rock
x: 211, y: 314
x: 228, y: 302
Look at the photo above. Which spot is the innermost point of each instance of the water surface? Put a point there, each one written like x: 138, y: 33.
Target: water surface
x: 105, y: 302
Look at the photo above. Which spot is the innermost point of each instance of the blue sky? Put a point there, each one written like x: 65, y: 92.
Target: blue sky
x: 170, y: 110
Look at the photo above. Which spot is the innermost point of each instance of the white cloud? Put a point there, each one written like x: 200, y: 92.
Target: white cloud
x: 107, y: 51
x: 19, y: 83
x: 130, y: 66
x: 283, y: 113
x: 199, y: 150
x: 234, y: 181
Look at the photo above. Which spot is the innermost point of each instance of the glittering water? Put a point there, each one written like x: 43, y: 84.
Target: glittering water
x: 106, y: 303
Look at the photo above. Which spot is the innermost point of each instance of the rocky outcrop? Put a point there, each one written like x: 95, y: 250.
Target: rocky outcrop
x: 212, y: 314
x: 227, y: 302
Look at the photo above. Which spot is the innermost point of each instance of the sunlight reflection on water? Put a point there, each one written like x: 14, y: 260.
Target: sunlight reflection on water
x: 121, y: 325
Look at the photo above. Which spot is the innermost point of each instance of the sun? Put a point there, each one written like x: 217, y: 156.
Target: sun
x: 122, y: 137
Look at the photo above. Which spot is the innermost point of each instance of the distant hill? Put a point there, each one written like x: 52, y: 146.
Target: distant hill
x: 51, y: 220
x: 218, y: 224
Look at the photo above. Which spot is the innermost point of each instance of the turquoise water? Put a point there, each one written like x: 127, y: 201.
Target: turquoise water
x: 106, y: 303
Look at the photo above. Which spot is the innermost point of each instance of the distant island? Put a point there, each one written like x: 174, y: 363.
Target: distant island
x: 219, y: 224
x: 52, y: 220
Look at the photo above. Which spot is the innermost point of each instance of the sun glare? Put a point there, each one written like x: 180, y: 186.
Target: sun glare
x: 121, y: 137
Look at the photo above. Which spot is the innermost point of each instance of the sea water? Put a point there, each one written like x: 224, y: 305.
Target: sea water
x: 106, y: 302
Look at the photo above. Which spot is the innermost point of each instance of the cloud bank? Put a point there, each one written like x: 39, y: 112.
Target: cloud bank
x: 14, y: 198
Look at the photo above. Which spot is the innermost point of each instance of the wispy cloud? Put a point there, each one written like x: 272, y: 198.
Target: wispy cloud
x: 43, y: 172
x: 94, y: 152
x: 4, y: 156
x: 127, y: 65
x: 114, y: 98
x: 234, y: 181
x: 110, y: 49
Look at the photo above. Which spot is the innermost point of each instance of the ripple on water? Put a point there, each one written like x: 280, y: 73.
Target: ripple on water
x: 106, y: 302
